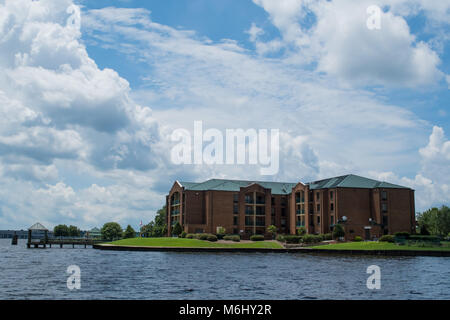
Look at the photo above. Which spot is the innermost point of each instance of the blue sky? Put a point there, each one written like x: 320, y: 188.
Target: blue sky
x: 88, y: 108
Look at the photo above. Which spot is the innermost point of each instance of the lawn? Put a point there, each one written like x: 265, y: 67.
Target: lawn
x: 381, y: 246
x: 193, y: 243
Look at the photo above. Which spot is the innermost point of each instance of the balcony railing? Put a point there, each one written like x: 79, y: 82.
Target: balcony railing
x: 175, y: 212
x: 300, y: 224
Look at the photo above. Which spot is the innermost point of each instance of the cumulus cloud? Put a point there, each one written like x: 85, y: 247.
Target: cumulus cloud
x: 431, y: 182
x: 342, y: 45
x: 57, y: 106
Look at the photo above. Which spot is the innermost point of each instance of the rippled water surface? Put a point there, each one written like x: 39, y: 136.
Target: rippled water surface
x: 41, y: 274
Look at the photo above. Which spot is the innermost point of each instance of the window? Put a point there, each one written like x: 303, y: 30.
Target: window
x: 235, y: 209
x: 283, y: 201
x: 273, y: 211
x: 236, y: 197
x: 317, y: 195
x: 283, y: 222
x: 383, y: 195
x: 385, y: 221
x: 273, y: 201
x: 318, y: 219
x: 332, y: 220
x: 331, y: 195
x: 235, y: 220
x: 318, y: 207
x: 331, y: 206
x: 384, y: 207
x: 283, y: 212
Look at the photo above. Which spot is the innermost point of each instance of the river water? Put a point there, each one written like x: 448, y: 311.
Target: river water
x: 42, y: 274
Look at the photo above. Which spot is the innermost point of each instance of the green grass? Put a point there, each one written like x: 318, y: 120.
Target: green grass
x: 193, y: 243
x: 380, y: 246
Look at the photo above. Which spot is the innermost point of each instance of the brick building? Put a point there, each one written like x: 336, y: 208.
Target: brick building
x: 365, y: 207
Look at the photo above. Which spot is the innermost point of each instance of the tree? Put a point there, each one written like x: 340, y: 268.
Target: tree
x: 158, y: 227
x: 272, y: 230
x: 74, y: 231
x: 61, y: 230
x: 221, y: 230
x: 338, y: 231
x: 435, y: 221
x: 129, y: 232
x: 111, y: 231
x: 301, y: 231
x: 177, y: 229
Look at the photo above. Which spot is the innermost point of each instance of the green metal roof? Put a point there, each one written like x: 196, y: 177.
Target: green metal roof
x: 284, y: 188
x: 235, y: 185
x: 352, y: 181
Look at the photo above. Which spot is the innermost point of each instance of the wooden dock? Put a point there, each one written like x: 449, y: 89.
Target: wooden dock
x: 62, y: 242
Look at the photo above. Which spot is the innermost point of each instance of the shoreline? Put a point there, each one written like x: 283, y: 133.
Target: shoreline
x: 416, y: 253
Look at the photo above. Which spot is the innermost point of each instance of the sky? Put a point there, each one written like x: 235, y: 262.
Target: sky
x: 91, y: 92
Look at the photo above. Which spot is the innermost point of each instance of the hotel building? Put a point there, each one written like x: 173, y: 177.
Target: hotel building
x: 365, y: 207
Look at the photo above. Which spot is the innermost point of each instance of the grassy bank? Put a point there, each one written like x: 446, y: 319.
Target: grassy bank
x: 380, y: 246
x: 193, y: 243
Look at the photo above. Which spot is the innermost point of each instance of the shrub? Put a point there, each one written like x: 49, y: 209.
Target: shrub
x: 311, y: 238
x: 177, y: 229
x: 235, y: 238
x: 190, y: 236
x: 289, y: 238
x: 183, y: 234
x: 357, y: 239
x: 201, y: 236
x: 280, y: 237
x: 424, y: 238
x: 301, y: 231
x: 338, y: 231
x: 221, y: 230
x: 257, y: 237
x: 327, y: 236
x: 220, y: 236
x: 387, y: 238
x: 211, y: 237
x: 402, y: 234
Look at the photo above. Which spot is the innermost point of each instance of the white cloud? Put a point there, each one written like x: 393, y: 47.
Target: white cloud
x: 58, y: 112
x: 343, y: 47
x: 431, y: 182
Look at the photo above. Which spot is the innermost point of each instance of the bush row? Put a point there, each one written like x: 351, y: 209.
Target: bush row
x: 307, y: 238
x: 202, y: 236
x: 257, y: 237
x: 235, y: 238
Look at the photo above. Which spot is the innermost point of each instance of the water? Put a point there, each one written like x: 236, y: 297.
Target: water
x: 41, y: 274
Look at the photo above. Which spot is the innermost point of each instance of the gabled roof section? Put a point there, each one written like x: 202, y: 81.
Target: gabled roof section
x: 284, y: 188
x: 352, y: 181
x: 235, y: 185
x: 37, y: 226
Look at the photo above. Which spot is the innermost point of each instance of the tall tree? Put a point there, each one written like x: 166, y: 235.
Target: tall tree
x: 129, y: 232
x: 435, y: 221
x: 74, y: 231
x: 158, y: 227
x: 61, y: 230
x: 111, y: 231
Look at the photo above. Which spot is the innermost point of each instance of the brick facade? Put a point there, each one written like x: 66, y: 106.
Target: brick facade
x: 250, y: 208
